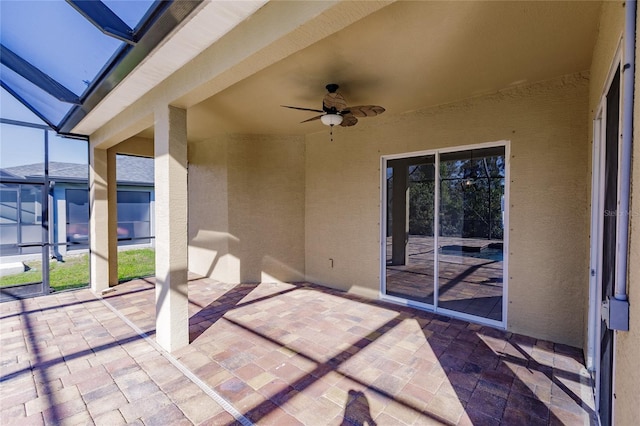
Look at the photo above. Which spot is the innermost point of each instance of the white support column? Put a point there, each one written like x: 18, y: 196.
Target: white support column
x: 172, y: 316
x: 99, y: 219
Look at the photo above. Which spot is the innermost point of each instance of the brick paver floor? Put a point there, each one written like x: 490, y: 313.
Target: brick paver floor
x: 276, y: 354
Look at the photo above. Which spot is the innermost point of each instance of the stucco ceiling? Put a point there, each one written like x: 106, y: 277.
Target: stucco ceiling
x: 406, y: 56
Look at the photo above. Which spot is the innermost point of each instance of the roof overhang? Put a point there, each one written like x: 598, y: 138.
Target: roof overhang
x: 402, y: 55
x: 183, y: 31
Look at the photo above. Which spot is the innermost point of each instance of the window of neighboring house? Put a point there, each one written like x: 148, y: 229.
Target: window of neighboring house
x: 134, y: 217
x: 77, y: 218
x: 30, y: 206
x: 20, y: 219
x: 8, y: 205
x: 8, y: 220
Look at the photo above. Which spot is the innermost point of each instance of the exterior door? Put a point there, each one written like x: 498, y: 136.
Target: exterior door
x: 444, y: 231
x: 603, y: 245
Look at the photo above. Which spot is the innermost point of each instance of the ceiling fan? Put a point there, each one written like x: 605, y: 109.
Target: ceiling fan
x: 335, y: 111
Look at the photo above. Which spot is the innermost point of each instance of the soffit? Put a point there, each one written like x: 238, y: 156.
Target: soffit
x: 276, y: 31
x: 201, y: 29
x: 407, y: 56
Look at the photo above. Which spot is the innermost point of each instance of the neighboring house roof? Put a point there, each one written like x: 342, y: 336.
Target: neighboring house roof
x: 6, y: 174
x: 129, y: 169
x: 134, y: 169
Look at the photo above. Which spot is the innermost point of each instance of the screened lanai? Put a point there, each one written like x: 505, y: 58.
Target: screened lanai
x: 80, y: 51
x: 464, y: 222
x: 50, y: 80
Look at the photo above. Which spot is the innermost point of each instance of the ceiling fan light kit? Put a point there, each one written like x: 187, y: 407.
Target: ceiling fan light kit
x: 331, y: 119
x: 335, y: 111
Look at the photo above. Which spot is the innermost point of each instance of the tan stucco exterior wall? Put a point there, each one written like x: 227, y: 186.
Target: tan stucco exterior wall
x: 627, y: 374
x: 246, y: 208
x: 548, y: 259
x: 609, y: 38
x: 142, y: 147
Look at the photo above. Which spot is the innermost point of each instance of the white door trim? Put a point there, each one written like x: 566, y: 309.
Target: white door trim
x: 594, y: 325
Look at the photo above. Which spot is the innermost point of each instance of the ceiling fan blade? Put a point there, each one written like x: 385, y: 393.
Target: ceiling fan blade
x: 302, y: 109
x: 348, y: 120
x: 317, y: 117
x: 366, y: 110
x: 334, y: 102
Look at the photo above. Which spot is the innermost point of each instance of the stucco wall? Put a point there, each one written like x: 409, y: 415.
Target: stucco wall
x: 139, y: 146
x: 609, y: 34
x: 547, y: 125
x: 246, y: 208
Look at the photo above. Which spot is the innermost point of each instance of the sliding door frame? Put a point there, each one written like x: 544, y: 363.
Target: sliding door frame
x: 383, y: 232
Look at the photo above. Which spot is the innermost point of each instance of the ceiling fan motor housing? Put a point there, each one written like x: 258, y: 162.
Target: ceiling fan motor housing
x: 332, y: 87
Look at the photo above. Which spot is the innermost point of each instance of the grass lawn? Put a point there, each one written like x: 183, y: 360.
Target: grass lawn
x: 74, y: 271
x: 136, y: 264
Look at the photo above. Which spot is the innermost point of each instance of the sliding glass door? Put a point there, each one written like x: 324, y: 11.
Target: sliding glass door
x: 444, y: 245
x: 410, y: 228
x: 471, y: 244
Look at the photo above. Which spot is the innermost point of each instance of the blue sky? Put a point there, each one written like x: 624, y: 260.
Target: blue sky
x: 59, y: 41
x: 22, y: 145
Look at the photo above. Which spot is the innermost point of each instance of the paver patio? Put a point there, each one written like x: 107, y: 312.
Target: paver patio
x: 276, y: 354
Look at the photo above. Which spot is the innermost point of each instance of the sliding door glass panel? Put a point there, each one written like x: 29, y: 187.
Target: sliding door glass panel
x: 410, y: 228
x: 470, y: 247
